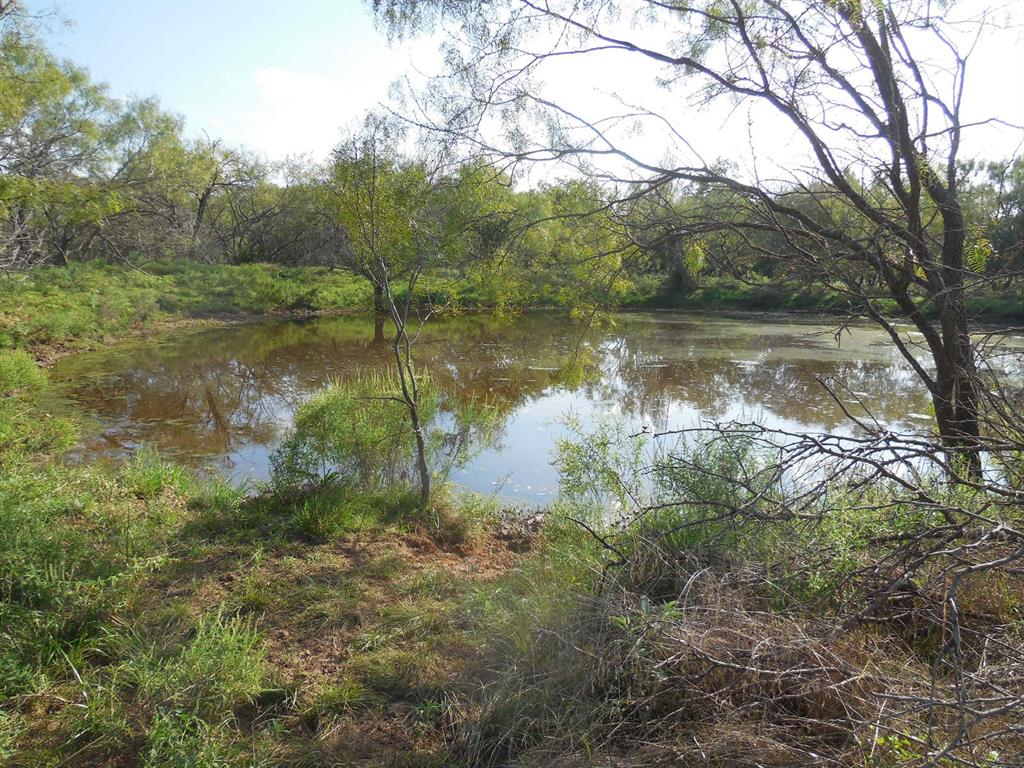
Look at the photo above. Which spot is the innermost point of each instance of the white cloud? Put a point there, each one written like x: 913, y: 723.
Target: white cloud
x: 302, y: 112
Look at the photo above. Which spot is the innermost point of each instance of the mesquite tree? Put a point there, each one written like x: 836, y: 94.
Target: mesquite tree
x: 380, y: 199
x: 873, y: 90
x: 404, y: 218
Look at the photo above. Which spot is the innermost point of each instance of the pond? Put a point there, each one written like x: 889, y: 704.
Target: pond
x: 222, y: 399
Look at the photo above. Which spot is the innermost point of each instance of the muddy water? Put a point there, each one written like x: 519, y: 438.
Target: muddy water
x: 222, y: 399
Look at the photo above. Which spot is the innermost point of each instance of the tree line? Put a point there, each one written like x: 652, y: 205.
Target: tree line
x: 84, y: 175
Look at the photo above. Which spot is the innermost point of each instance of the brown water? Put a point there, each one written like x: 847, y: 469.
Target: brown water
x: 223, y: 399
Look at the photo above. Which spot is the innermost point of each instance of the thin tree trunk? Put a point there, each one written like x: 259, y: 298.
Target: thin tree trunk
x: 421, y: 461
x: 380, y: 313
x: 411, y: 395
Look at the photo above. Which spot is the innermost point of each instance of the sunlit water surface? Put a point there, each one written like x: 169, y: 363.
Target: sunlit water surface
x: 223, y: 399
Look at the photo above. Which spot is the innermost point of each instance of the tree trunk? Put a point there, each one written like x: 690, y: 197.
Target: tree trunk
x: 957, y: 387
x: 411, y: 396
x: 380, y: 314
x: 956, y: 396
x: 421, y: 461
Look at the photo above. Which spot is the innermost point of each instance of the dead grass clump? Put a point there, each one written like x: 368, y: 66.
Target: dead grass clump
x: 715, y: 677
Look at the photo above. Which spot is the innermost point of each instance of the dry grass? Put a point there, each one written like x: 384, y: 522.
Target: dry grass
x: 718, y: 676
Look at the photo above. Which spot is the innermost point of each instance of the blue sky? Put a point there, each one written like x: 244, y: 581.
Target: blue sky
x: 280, y: 77
x: 284, y: 78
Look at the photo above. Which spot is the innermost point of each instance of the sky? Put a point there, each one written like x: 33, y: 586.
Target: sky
x: 284, y: 78
x: 279, y: 77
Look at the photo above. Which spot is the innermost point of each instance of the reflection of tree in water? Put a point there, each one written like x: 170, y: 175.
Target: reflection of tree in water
x: 208, y: 393
x: 647, y: 368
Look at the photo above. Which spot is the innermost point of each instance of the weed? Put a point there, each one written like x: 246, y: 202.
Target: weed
x: 218, y: 668
x: 320, y: 518
x: 19, y: 373
x: 147, y: 475
x: 340, y: 698
x: 179, y: 739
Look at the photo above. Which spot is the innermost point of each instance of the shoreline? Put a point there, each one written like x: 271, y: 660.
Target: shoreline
x: 48, y: 353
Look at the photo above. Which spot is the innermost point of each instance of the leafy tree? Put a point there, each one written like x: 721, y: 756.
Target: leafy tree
x: 403, y: 220
x: 54, y: 139
x: 382, y: 202
x: 996, y: 209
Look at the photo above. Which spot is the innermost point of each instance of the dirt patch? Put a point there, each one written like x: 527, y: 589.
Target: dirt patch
x: 378, y: 615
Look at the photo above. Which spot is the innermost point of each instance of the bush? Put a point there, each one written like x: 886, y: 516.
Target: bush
x: 743, y: 610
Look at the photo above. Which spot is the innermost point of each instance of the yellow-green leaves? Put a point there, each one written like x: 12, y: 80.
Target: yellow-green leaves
x: 977, y: 251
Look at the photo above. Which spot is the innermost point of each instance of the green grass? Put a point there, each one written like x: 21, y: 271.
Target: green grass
x: 18, y: 372
x: 151, y: 617
x: 341, y: 698
x: 90, y: 301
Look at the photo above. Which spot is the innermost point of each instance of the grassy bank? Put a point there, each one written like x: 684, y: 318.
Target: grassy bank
x: 83, y: 303
x: 726, y: 294
x: 86, y: 302
x: 61, y: 308
x: 149, y: 617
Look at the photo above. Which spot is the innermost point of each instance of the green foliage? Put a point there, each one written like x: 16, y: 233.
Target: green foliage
x: 528, y: 625
x: 147, y: 475
x: 85, y: 302
x: 219, y: 667
x: 24, y: 430
x: 323, y: 514
x: 18, y: 372
x: 182, y: 740
x: 355, y: 432
x: 341, y: 698
x: 180, y: 693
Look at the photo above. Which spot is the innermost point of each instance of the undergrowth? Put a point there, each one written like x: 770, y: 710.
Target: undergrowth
x: 674, y: 629
x: 152, y: 617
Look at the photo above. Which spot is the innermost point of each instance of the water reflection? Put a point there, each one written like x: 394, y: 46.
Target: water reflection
x: 223, y: 398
